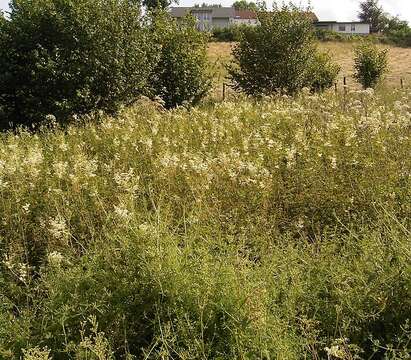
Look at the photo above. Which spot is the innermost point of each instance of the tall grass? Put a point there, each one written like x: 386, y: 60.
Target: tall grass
x: 276, y: 229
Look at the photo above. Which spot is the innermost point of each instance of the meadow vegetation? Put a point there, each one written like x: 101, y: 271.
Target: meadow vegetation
x: 268, y: 227
x: 249, y: 230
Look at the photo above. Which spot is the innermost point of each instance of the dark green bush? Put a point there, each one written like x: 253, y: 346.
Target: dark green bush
x: 398, y: 37
x: 279, y: 55
x: 65, y: 57
x: 228, y: 34
x: 370, y: 64
x: 323, y: 72
x: 182, y: 73
x: 329, y: 35
x: 401, y: 37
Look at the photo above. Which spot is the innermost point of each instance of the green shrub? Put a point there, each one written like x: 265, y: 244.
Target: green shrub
x: 182, y: 74
x: 278, y: 55
x: 370, y: 64
x: 329, y: 35
x: 323, y: 72
x: 400, y: 37
x: 222, y: 34
x: 65, y: 57
x: 228, y: 34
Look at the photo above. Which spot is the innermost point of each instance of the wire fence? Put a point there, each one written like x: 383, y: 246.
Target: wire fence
x: 344, y: 84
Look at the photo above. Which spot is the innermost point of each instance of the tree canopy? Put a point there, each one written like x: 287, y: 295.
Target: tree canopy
x: 372, y: 13
x: 245, y: 5
x: 280, y: 55
x: 157, y: 4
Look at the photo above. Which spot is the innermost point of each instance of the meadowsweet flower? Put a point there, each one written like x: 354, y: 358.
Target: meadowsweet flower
x: 63, y: 146
x: 58, y: 228
x: 336, y: 352
x: 60, y: 169
x: 291, y: 156
x: 84, y: 167
x: 3, y: 184
x: 333, y: 161
x: 169, y: 160
x: 127, y: 181
x: 148, y: 143
x: 121, y: 212
x: 55, y: 258
x: 144, y: 227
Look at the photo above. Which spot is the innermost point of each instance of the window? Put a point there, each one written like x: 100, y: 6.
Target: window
x: 202, y: 15
x: 341, y: 28
x: 352, y: 27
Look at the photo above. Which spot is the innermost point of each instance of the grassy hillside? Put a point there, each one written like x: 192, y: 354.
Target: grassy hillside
x: 276, y: 229
x: 342, y: 53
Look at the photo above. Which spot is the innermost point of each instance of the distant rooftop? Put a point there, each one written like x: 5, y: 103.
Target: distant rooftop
x: 245, y: 14
x: 340, y: 22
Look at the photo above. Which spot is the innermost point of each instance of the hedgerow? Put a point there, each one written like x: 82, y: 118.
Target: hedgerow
x: 65, y: 58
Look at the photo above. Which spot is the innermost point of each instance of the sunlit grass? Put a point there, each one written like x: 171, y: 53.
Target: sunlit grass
x: 276, y: 229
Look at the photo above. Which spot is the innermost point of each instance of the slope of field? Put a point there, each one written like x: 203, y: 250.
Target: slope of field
x: 342, y: 53
x: 276, y: 229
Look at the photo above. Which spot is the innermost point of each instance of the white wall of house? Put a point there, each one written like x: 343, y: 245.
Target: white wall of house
x: 221, y: 23
x: 204, y: 19
x: 351, y: 28
x: 251, y: 22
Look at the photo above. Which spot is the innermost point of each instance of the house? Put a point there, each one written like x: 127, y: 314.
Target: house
x: 245, y: 17
x: 208, y: 18
x: 349, y: 28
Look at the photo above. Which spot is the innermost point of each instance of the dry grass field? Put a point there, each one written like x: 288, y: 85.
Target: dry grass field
x: 400, y: 61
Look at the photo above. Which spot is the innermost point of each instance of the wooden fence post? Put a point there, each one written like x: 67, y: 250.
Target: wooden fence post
x: 224, y: 91
x: 402, y: 83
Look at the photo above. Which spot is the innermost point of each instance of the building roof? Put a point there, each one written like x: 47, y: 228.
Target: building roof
x: 245, y: 14
x: 341, y: 22
x: 313, y: 17
x: 217, y: 12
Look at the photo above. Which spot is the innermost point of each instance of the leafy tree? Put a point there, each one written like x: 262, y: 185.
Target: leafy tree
x: 370, y: 64
x: 63, y: 57
x: 381, y: 21
x: 158, y: 4
x: 371, y: 12
x: 181, y: 75
x: 279, y: 55
x: 245, y: 5
x: 394, y: 23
